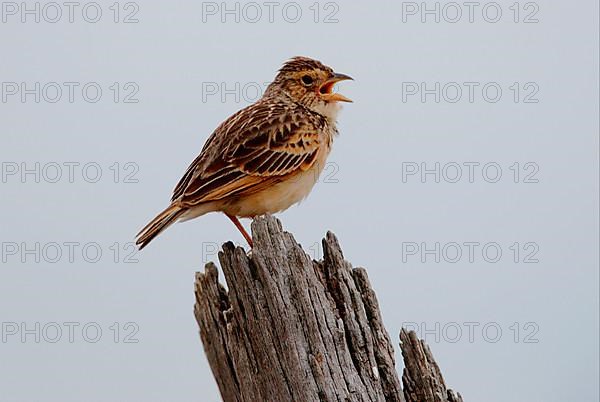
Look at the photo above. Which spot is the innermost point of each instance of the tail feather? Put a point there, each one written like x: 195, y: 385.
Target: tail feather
x: 162, y: 221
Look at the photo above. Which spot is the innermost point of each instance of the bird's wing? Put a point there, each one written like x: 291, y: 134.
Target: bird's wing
x: 253, y: 149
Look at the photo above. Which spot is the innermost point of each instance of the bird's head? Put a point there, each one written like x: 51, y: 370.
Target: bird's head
x: 310, y: 83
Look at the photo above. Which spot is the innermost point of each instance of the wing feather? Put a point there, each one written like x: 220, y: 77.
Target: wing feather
x: 253, y: 149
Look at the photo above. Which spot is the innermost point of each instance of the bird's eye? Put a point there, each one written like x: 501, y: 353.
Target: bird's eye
x: 307, y: 80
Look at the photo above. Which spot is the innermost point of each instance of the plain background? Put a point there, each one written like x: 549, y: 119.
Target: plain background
x: 547, y: 310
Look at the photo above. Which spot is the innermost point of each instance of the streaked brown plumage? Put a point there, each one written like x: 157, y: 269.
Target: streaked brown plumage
x: 264, y: 158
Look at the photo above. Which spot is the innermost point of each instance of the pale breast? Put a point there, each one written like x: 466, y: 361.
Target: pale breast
x: 283, y: 195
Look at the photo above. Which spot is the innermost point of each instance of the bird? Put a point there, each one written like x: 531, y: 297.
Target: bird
x: 264, y: 158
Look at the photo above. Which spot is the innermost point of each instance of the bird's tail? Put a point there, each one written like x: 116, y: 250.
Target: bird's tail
x: 158, y: 224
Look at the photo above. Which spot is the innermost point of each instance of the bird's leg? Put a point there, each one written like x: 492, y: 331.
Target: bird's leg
x: 238, y: 225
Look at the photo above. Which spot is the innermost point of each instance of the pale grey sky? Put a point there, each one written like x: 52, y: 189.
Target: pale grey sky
x: 470, y: 136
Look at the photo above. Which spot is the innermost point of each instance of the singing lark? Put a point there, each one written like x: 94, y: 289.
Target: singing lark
x: 264, y: 158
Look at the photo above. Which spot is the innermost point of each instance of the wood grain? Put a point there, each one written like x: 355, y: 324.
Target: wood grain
x: 289, y: 328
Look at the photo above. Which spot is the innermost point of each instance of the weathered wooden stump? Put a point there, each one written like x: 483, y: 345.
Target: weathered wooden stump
x: 422, y: 378
x: 293, y: 329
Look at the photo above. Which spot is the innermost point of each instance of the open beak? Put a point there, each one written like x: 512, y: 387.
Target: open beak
x: 326, y: 89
